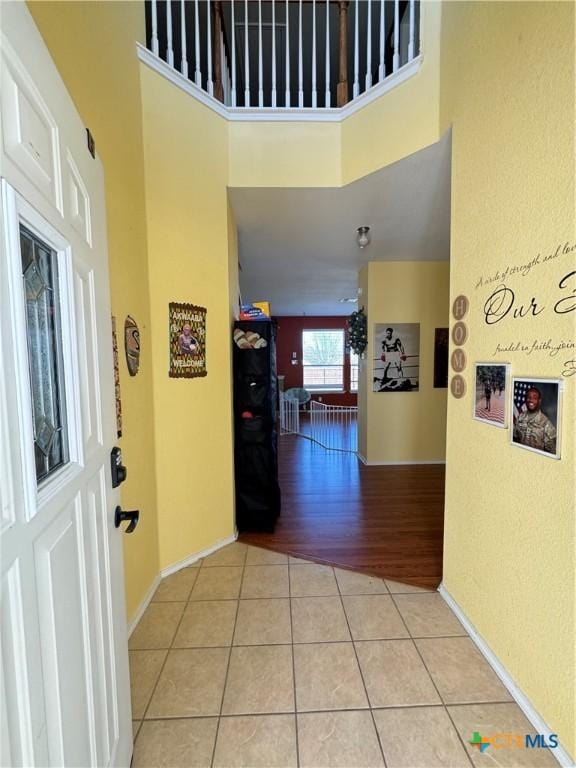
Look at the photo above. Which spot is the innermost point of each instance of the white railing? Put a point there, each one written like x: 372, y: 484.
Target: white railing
x: 289, y: 415
x: 284, y: 53
x: 334, y: 426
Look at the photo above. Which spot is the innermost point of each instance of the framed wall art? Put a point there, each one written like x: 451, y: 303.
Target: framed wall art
x: 396, y: 357
x: 491, y: 393
x: 187, y: 330
x: 537, y: 406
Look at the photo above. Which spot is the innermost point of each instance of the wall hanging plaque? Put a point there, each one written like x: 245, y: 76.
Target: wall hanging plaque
x: 458, y: 386
x: 187, y: 328
x: 460, y: 333
x: 460, y: 307
x: 458, y: 360
x: 132, y: 345
x: 396, y: 357
x: 116, y: 379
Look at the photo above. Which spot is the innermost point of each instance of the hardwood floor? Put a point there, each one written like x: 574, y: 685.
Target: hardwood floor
x: 387, y: 521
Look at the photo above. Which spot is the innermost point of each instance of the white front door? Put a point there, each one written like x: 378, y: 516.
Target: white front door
x: 64, y: 689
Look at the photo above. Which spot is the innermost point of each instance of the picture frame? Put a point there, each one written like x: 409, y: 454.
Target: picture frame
x: 536, y: 408
x: 396, y: 363
x: 187, y: 336
x: 490, y: 401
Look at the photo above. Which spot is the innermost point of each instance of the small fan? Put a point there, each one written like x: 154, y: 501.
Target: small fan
x: 298, y: 393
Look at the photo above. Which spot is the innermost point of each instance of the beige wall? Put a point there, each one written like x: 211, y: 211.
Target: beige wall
x: 508, y: 89
x: 93, y: 46
x: 398, y: 427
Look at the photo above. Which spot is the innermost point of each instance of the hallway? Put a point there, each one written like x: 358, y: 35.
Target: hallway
x: 253, y: 659
x: 383, y: 520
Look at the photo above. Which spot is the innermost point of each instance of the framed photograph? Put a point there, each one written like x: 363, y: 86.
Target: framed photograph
x: 396, y: 357
x: 187, y: 328
x: 537, y: 414
x: 440, y: 358
x: 491, y: 393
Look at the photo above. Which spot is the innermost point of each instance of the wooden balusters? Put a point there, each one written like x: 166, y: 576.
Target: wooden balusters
x: 246, y: 58
x: 169, y: 49
x: 342, y: 91
x: 368, y: 83
x: 300, y: 61
x: 154, y: 36
x: 260, y: 58
x: 184, y: 57
x: 327, y: 96
x: 217, y: 58
x: 273, y: 53
x: 382, y: 64
x: 396, y: 56
x: 233, y: 62
x: 287, y: 95
x: 197, y: 70
x: 411, y: 40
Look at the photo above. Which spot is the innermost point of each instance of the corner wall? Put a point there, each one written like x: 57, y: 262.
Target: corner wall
x: 398, y: 427
x: 92, y: 44
x: 509, y: 561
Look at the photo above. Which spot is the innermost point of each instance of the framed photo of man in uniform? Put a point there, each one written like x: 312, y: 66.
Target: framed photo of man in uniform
x: 396, y: 365
x: 537, y: 415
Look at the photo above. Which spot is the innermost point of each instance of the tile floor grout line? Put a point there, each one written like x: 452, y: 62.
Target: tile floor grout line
x: 361, y: 675
x: 229, y: 660
x: 444, y: 705
x: 293, y: 666
x: 232, y: 715
x: 160, y: 672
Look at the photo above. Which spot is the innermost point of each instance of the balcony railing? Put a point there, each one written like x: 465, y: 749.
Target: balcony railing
x: 292, y: 54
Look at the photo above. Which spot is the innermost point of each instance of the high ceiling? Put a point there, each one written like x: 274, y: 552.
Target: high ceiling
x: 297, y: 247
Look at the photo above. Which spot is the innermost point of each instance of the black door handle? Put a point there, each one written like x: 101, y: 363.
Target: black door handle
x: 133, y: 515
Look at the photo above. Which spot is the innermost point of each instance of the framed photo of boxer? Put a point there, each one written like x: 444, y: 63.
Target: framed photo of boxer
x: 187, y: 330
x: 396, y: 357
x: 537, y: 415
x: 491, y: 393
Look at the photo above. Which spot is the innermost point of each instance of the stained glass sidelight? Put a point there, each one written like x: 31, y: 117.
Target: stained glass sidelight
x: 43, y: 329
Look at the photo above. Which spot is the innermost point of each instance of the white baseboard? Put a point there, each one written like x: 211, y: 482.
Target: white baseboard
x: 519, y: 697
x: 170, y: 569
x: 144, y: 604
x: 364, y: 460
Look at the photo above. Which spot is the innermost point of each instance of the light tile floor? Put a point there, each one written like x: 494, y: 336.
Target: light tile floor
x: 254, y: 659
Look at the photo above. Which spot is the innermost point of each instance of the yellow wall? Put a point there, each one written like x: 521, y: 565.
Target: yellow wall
x: 405, y: 119
x: 508, y: 89
x: 186, y: 162
x: 93, y: 46
x: 307, y: 154
x: 405, y: 426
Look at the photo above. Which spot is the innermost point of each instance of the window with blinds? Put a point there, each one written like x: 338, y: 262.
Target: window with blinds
x: 323, y: 360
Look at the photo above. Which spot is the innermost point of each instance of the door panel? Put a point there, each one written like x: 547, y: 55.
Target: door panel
x: 64, y: 660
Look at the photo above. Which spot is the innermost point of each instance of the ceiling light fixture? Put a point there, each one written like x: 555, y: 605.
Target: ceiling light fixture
x: 363, y: 236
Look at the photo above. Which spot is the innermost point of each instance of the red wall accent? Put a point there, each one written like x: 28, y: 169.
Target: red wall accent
x: 290, y: 340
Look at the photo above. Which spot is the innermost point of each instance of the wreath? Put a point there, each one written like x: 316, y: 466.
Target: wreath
x: 358, y: 331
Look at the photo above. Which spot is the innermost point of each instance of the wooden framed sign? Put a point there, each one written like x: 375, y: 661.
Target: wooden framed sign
x: 187, y: 329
